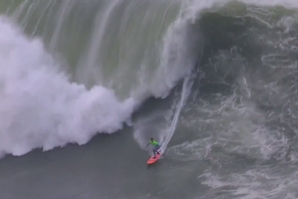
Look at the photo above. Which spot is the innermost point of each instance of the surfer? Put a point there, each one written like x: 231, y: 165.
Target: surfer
x: 156, y: 146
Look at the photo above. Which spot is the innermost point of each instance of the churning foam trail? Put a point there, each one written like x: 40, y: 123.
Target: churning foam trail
x: 39, y: 107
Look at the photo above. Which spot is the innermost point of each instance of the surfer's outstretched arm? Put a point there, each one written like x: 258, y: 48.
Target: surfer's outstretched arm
x: 147, y: 144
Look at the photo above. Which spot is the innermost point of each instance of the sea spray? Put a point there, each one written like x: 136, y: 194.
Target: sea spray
x: 39, y: 107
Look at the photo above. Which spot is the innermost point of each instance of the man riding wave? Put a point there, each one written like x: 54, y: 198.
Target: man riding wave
x: 156, y: 146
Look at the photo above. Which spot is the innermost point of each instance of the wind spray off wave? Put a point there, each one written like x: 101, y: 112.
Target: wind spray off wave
x: 39, y: 107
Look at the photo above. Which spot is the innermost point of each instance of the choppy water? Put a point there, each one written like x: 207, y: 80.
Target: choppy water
x: 213, y: 81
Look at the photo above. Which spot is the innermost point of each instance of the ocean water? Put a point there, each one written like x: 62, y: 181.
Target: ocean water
x: 85, y: 84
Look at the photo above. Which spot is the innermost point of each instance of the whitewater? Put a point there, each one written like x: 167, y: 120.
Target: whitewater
x: 39, y: 105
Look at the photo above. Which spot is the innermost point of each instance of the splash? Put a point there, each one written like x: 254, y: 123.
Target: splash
x: 40, y: 107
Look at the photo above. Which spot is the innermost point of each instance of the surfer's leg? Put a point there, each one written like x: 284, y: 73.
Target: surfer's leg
x: 154, y: 153
x: 156, y: 148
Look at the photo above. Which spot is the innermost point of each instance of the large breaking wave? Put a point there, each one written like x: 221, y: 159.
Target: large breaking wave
x: 120, y: 54
x: 48, y: 100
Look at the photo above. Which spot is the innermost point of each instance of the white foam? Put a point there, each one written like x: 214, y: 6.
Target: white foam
x: 260, y: 182
x: 39, y: 107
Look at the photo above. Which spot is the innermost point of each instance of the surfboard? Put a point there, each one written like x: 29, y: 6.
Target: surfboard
x: 153, y: 160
